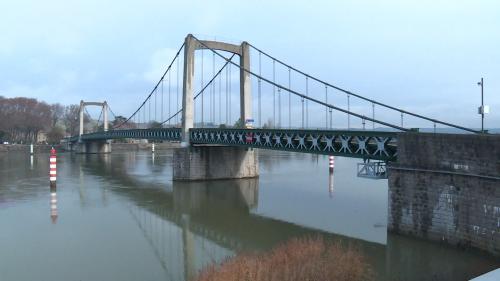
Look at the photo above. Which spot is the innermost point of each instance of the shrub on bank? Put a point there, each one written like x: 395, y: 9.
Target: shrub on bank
x: 304, y: 259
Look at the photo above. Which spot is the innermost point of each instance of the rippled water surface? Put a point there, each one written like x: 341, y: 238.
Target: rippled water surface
x: 121, y: 217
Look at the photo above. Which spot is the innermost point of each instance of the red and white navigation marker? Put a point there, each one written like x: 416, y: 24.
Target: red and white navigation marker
x: 331, y: 163
x: 53, y: 166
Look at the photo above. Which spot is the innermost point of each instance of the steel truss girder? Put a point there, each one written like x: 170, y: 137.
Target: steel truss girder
x: 358, y: 144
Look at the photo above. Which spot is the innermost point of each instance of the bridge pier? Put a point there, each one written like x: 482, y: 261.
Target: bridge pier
x: 446, y: 187
x: 211, y: 162
x: 92, y: 147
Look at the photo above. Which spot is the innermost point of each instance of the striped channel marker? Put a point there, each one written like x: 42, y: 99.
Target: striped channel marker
x: 53, y: 166
x: 331, y: 163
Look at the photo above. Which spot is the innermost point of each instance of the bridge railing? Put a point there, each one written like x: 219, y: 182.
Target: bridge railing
x: 172, y: 134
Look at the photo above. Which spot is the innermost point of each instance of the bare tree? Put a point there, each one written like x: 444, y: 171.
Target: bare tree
x: 57, y: 111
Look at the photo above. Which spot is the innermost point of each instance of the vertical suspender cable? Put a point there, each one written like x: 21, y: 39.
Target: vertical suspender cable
x: 230, y: 103
x: 162, y: 100
x: 401, y: 119
x: 373, y: 116
x: 169, y: 95
x: 209, y: 102
x: 259, y: 91
x: 156, y: 93
x: 213, y: 89
x: 302, y: 103
x: 326, y: 108
x: 289, y: 99
x: 274, y: 94
x: 279, y: 107
x: 348, y: 110
x: 220, y: 98
x: 177, y: 99
x: 202, y: 88
x: 307, y: 102
x: 331, y: 119
x: 227, y: 88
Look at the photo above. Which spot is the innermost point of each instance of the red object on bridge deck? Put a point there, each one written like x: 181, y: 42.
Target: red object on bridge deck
x: 249, y: 137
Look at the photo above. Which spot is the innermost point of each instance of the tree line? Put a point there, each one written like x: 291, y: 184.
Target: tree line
x: 23, y: 119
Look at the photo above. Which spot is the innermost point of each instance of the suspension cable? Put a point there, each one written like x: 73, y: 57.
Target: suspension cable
x: 203, y: 89
x: 156, y: 86
x: 299, y: 94
x: 111, y: 111
x: 361, y: 97
x: 98, y: 119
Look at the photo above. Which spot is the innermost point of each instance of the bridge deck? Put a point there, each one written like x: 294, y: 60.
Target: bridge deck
x: 349, y: 143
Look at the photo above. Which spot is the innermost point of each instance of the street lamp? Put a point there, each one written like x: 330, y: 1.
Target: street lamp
x: 483, y: 109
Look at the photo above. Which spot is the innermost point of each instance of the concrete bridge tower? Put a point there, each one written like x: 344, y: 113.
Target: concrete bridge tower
x: 213, y: 162
x: 95, y: 146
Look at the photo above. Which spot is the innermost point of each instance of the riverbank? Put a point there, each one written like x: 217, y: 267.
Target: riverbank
x: 43, y: 148
x: 37, y: 148
x: 143, y: 146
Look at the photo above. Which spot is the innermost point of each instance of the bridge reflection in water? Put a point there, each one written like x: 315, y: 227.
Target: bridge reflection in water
x: 189, y: 225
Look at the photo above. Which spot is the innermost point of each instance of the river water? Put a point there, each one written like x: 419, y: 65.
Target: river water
x: 121, y: 217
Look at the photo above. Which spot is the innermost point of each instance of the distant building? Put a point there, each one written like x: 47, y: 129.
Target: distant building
x: 41, y: 137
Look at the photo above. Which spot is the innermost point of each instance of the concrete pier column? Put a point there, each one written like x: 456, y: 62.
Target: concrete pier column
x: 105, y: 115
x: 245, y: 84
x: 187, y: 89
x: 214, y: 162
x: 82, y: 106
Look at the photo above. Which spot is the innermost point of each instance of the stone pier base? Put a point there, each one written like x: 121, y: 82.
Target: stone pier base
x: 214, y: 162
x: 446, y: 188
x: 92, y: 147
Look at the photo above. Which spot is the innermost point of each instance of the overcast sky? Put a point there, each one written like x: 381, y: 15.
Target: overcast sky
x: 424, y: 56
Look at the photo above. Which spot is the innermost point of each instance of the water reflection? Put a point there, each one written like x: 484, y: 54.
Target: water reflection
x: 330, y: 184
x: 223, y: 214
x: 53, y: 203
x: 129, y: 207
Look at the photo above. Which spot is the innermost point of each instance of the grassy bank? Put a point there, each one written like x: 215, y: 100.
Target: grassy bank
x: 305, y: 259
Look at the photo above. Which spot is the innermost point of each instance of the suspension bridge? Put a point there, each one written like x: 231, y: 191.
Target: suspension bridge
x: 219, y: 133
x: 289, y: 99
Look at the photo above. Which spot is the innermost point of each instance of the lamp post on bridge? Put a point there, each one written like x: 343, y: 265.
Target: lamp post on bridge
x: 482, y: 109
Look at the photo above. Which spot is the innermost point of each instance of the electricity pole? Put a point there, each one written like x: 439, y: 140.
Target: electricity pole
x: 481, y: 111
